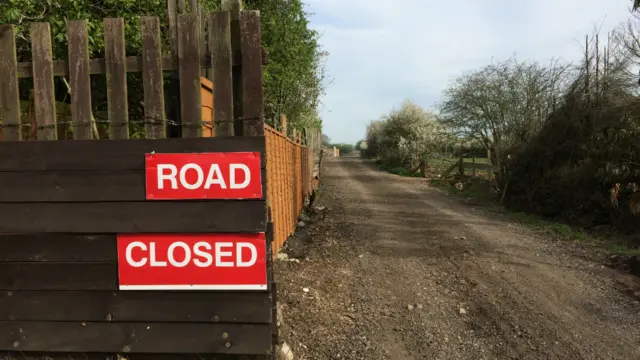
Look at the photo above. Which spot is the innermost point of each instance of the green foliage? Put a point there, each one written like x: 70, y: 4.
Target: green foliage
x: 406, y: 136
x: 293, y: 80
x: 326, y: 140
x: 58, y: 12
x: 344, y: 148
x: 361, y: 145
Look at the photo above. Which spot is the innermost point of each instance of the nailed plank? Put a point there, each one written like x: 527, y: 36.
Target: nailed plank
x: 189, y: 71
x: 79, y: 79
x: 134, y: 64
x: 222, y: 70
x: 43, y: 90
x: 116, y: 66
x: 76, y: 186
x: 55, y: 247
x: 235, y: 7
x: 31, y: 355
x: 134, y: 217
x: 135, y: 337
x: 152, y: 81
x: 176, y: 306
x: 122, y: 154
x: 172, y: 16
x: 9, y: 92
x: 252, y: 92
x: 204, y: 46
x: 57, y: 276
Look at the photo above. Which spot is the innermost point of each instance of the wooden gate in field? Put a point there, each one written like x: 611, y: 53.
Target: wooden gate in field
x: 68, y: 206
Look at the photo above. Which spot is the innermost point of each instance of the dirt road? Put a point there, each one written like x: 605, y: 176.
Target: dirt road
x: 398, y: 270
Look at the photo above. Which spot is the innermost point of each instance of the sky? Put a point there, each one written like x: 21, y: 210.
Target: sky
x: 384, y: 51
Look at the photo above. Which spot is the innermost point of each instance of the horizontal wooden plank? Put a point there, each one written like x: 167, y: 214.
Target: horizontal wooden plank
x: 156, y: 306
x: 58, y: 276
x: 35, y: 355
x: 112, y: 154
x: 134, y: 64
x: 58, y: 247
x: 135, y: 337
x: 76, y: 186
x: 134, y: 217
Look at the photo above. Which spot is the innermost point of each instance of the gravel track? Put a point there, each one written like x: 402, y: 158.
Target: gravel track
x: 398, y: 270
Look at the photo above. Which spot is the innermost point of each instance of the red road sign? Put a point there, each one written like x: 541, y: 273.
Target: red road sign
x: 192, y: 261
x: 232, y: 175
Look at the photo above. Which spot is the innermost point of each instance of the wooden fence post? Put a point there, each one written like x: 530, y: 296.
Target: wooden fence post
x: 190, y: 87
x: 234, y: 7
x: 252, y: 80
x: 79, y: 79
x: 43, y: 85
x: 221, y: 72
x: 283, y: 122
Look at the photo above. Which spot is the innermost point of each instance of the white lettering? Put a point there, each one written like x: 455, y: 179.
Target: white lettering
x: 183, y: 176
x: 152, y: 255
x: 232, y: 176
x: 171, y: 255
x: 202, y: 254
x: 215, y: 177
x: 220, y: 254
x: 198, y: 252
x: 254, y: 255
x: 171, y: 176
x: 129, y: 258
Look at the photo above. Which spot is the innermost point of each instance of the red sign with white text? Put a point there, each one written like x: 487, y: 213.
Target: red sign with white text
x: 192, y: 261
x: 233, y: 175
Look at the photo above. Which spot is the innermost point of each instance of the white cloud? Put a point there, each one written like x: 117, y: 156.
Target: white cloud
x: 382, y: 52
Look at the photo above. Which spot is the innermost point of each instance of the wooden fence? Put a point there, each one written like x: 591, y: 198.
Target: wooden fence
x: 66, y: 204
x: 292, y: 176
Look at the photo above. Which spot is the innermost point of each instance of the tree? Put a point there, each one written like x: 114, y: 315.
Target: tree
x: 326, y: 140
x: 361, y: 145
x: 504, y: 104
x: 344, y: 148
x: 294, y: 78
x: 407, y: 136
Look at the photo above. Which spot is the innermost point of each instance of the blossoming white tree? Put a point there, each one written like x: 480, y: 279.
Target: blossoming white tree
x: 407, y: 136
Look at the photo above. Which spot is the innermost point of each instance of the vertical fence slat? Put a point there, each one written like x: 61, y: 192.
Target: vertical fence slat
x: 172, y: 17
x: 252, y: 92
x: 222, y: 70
x: 43, y: 91
x: 189, y: 62
x: 152, y: 81
x: 204, y: 46
x: 79, y: 79
x: 291, y: 187
x: 9, y: 92
x: 116, y: 71
x: 234, y: 7
x: 280, y: 195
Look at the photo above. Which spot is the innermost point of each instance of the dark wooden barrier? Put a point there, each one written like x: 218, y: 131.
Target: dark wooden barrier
x: 59, y: 274
x: 63, y: 203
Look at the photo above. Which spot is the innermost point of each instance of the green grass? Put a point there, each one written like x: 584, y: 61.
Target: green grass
x: 558, y: 229
x: 624, y: 250
x: 481, y: 191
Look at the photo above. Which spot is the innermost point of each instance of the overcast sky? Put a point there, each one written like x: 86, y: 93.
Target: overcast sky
x: 383, y: 51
